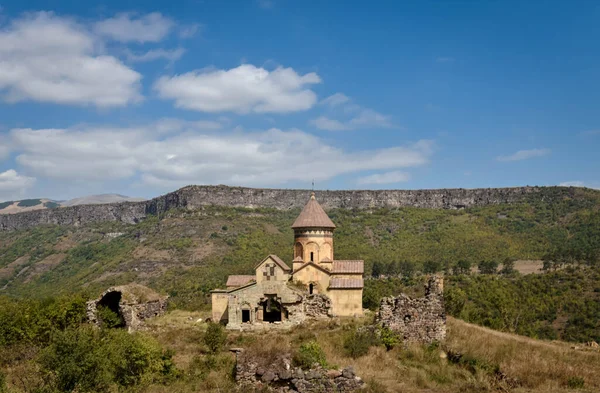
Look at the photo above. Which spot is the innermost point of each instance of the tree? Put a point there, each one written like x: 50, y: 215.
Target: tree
x: 508, y: 267
x: 215, y: 337
x: 431, y: 267
x: 488, y: 267
x: 377, y: 269
x: 462, y: 267
x: 407, y: 269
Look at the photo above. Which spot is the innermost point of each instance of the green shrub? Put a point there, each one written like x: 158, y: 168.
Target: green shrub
x: 89, y: 360
x: 308, y: 354
x: 358, y: 342
x: 389, y: 338
x: 215, y: 337
x: 3, y: 387
x: 29, y: 202
x: 575, y: 383
x: 108, y: 318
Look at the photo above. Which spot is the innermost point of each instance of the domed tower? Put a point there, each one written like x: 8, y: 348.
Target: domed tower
x: 313, y: 236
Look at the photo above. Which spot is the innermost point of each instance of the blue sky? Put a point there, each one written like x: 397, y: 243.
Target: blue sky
x: 143, y: 97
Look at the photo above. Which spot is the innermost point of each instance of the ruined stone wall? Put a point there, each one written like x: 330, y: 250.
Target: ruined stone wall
x: 193, y: 197
x: 278, y: 375
x: 421, y: 320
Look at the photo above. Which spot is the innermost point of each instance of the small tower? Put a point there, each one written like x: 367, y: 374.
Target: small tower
x: 313, y: 236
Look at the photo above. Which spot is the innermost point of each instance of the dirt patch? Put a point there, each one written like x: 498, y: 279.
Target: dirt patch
x: 64, y: 244
x: 271, y: 229
x: 45, y: 265
x: 11, y: 268
x: 202, y: 251
x: 143, y: 252
x: 529, y: 267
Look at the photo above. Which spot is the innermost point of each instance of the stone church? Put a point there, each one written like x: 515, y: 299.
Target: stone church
x: 315, y: 285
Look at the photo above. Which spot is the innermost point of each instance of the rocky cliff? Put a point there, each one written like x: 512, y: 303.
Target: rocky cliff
x: 193, y: 197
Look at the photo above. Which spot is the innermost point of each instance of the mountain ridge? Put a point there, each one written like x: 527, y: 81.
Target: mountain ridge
x: 193, y: 197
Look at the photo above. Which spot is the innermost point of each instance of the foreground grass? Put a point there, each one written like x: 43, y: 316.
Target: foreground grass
x: 491, y: 360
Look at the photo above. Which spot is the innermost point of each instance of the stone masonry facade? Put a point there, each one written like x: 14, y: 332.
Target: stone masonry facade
x: 421, y: 320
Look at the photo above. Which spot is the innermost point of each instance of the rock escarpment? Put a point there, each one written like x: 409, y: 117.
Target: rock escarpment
x: 193, y: 197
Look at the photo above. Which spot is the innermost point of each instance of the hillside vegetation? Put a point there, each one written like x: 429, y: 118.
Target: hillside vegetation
x: 188, y: 253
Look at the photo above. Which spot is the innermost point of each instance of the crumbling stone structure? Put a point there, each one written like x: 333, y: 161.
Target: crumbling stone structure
x: 134, y: 303
x: 421, y: 320
x: 252, y: 374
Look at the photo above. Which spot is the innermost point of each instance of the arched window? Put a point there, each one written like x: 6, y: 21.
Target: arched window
x: 310, y: 289
x: 312, y: 256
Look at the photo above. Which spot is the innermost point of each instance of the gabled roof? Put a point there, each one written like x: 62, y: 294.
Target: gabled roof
x: 313, y: 216
x: 352, y: 267
x: 346, y: 283
x: 239, y: 280
x: 313, y: 265
x: 278, y: 261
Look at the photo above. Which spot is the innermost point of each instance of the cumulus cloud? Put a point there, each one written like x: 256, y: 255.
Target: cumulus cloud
x: 127, y: 27
x: 47, y: 58
x: 524, y: 155
x: 173, y: 153
x: 155, y: 54
x: 385, y: 178
x: 355, y: 116
x: 335, y: 100
x: 13, y: 185
x: 243, y: 89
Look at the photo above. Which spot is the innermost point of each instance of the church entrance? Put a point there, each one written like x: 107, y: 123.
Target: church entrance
x: 272, y: 310
x: 245, y: 316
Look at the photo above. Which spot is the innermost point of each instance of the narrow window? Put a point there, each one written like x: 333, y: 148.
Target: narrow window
x: 312, y: 255
x: 310, y: 289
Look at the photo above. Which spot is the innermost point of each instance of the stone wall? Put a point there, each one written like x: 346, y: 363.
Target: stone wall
x: 278, y: 375
x: 136, y: 304
x: 193, y: 197
x: 421, y: 320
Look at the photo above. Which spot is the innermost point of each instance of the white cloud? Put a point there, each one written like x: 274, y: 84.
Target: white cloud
x: 189, y: 31
x: 243, y: 89
x: 385, y: 178
x: 174, y: 153
x: 128, y: 27
x: 524, y: 155
x: 355, y: 116
x: 155, y: 54
x: 47, y: 58
x: 335, y: 100
x: 13, y: 185
x: 366, y: 118
x: 325, y: 123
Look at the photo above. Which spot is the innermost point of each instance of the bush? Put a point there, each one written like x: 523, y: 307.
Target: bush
x: 488, y: 267
x: 389, y: 338
x: 575, y: 383
x: 108, y: 318
x: 309, y: 354
x: 89, y: 360
x: 358, y: 342
x: 215, y: 337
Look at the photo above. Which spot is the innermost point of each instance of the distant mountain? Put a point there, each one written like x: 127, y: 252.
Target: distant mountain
x: 12, y: 207
x: 100, y: 200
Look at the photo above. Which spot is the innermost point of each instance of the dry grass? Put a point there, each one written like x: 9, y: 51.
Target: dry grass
x: 542, y: 366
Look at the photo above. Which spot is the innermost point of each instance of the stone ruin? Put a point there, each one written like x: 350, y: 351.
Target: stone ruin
x: 278, y: 375
x: 421, y: 320
x: 133, y: 303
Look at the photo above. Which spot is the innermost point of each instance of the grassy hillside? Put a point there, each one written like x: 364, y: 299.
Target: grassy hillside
x: 51, y: 350
x: 188, y: 253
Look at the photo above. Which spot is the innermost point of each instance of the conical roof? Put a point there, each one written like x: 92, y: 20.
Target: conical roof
x: 313, y: 216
